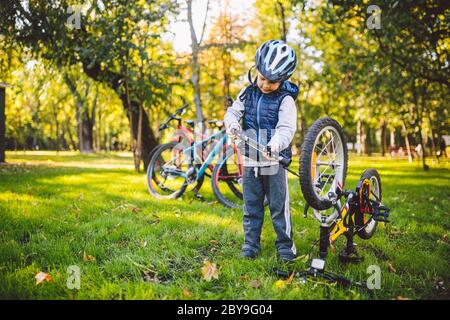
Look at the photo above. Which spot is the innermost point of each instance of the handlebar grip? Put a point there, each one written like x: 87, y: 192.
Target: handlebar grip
x: 164, y: 126
x: 181, y: 110
x: 234, y: 131
x: 285, y: 162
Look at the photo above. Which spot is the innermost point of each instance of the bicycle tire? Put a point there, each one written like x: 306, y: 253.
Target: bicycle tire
x: 221, y: 168
x: 155, y: 189
x: 306, y: 159
x: 360, y: 219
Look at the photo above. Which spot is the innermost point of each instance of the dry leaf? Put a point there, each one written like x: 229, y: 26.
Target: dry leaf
x: 186, y: 293
x: 244, y: 277
x: 210, y: 271
x: 255, y: 284
x: 291, y: 277
x: 401, y: 298
x: 391, y: 268
x: 213, y: 241
x: 42, y: 276
x: 88, y: 258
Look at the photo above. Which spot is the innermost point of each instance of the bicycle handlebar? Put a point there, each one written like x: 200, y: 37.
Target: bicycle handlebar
x: 265, y: 150
x: 173, y: 116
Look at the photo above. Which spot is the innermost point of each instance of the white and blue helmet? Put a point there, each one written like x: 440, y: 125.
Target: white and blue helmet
x: 276, y: 60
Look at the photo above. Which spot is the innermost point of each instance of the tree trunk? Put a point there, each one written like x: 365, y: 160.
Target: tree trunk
x: 392, y: 138
x: 138, y: 155
x: 2, y: 125
x: 408, y: 147
x: 419, y: 114
x: 367, y: 140
x: 360, y: 138
x: 195, y: 47
x: 85, y: 123
x: 383, y: 138
x: 149, y: 141
x: 69, y: 133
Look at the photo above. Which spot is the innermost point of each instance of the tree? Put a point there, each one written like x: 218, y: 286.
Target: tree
x: 99, y: 44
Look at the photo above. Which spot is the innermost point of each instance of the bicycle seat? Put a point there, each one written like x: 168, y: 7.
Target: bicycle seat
x: 218, y: 123
x: 190, y: 123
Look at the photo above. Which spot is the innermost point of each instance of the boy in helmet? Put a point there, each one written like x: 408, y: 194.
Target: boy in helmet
x: 267, y: 110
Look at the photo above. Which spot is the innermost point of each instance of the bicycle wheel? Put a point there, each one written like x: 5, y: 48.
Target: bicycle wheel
x: 166, y: 173
x: 227, y: 180
x: 323, y: 162
x: 369, y: 190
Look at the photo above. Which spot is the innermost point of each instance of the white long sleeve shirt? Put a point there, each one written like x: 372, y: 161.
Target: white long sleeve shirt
x: 284, y: 130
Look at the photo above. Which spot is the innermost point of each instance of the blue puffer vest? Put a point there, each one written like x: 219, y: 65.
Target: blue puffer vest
x: 261, y: 112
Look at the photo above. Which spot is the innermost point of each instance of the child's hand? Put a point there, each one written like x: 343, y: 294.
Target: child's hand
x: 274, y: 145
x: 233, y: 129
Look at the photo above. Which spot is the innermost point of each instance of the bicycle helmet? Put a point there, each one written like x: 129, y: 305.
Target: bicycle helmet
x: 275, y: 60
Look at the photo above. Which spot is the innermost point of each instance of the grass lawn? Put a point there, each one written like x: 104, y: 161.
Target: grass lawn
x: 95, y: 212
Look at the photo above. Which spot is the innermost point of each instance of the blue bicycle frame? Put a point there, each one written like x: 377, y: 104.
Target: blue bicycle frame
x: 191, y: 151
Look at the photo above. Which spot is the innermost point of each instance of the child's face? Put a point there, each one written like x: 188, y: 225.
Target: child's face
x: 265, y: 85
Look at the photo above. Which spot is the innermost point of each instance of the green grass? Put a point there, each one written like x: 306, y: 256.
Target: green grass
x: 53, y: 213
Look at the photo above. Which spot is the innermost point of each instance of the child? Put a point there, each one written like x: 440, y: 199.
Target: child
x: 267, y: 109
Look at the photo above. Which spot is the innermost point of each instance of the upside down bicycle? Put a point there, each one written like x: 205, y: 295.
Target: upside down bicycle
x: 322, y: 172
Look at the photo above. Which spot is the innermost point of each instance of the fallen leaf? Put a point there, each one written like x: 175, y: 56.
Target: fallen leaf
x: 401, y: 298
x: 186, y: 293
x: 210, y: 271
x: 391, y: 268
x: 213, y: 241
x: 88, y: 257
x: 244, y: 277
x: 291, y: 277
x: 255, y: 284
x: 42, y: 276
x: 136, y: 209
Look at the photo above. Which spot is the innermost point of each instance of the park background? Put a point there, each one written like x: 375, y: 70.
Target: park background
x: 87, y: 85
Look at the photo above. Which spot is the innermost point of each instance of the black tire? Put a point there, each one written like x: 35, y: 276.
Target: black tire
x: 221, y: 169
x: 158, y: 191
x: 360, y: 218
x: 306, y: 157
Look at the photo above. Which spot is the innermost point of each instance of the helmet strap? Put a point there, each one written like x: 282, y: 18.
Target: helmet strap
x: 250, y: 76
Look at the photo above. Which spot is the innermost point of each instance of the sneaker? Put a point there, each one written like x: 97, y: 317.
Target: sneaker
x: 287, y: 257
x: 248, y: 254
